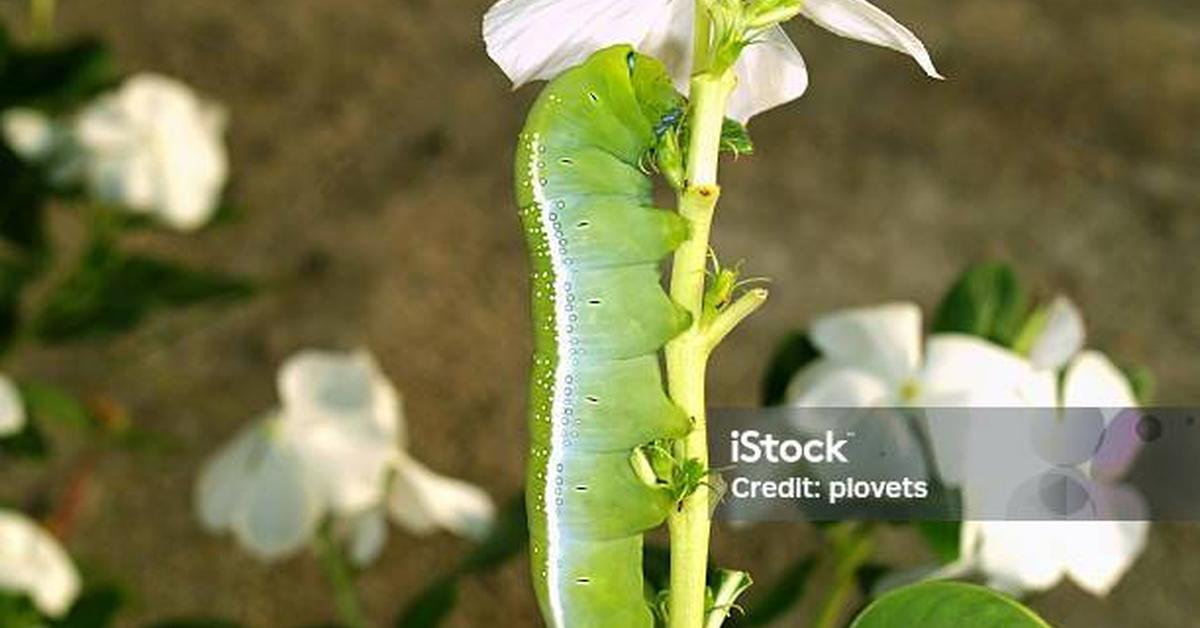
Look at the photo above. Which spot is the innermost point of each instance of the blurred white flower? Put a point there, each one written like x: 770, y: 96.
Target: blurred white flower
x: 30, y: 133
x: 872, y: 356
x: 538, y: 39
x: 12, y: 408
x: 154, y: 147
x: 334, y: 449
x: 1061, y: 337
x: 1022, y: 556
x: 34, y: 564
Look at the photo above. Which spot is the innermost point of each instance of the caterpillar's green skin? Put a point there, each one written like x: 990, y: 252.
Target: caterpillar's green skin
x: 601, y: 316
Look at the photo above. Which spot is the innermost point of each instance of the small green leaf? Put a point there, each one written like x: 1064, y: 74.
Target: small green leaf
x: 47, y: 402
x: 1141, y: 380
x: 985, y: 301
x: 432, y: 606
x: 97, y: 607
x: 112, y: 291
x: 779, y: 597
x: 735, y: 138
x: 942, y: 538
x: 793, y: 354
x: 946, y: 605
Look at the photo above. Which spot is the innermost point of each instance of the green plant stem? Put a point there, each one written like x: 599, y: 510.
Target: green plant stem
x: 41, y: 20
x: 852, y: 546
x: 687, y: 354
x: 337, y: 573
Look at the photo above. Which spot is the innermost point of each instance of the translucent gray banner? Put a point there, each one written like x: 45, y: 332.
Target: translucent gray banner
x: 953, y: 464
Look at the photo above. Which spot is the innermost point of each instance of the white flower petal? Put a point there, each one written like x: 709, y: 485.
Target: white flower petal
x: 349, y: 466
x: 1098, y: 553
x: 1020, y: 555
x: 1061, y: 338
x: 1092, y: 380
x: 670, y: 40
x: 220, y: 490
x: 280, y: 506
x: 770, y: 72
x: 973, y: 369
x: 884, y: 339
x: 12, y: 408
x: 825, y: 384
x: 30, y: 133
x: 340, y: 387
x: 863, y: 21
x: 538, y: 39
x: 423, y: 501
x: 34, y: 563
x: 368, y: 536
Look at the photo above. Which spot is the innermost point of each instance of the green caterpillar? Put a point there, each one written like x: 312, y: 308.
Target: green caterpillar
x: 601, y: 316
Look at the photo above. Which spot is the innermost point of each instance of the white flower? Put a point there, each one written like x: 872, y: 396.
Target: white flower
x: 873, y: 357
x: 334, y: 449
x: 538, y: 39
x: 33, y: 563
x: 152, y: 146
x: 12, y: 408
x: 30, y: 133
x: 1034, y: 555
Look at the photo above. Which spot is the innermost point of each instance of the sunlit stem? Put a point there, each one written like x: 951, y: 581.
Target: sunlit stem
x: 337, y: 572
x: 731, y: 585
x: 852, y: 544
x: 41, y: 20
x: 687, y: 354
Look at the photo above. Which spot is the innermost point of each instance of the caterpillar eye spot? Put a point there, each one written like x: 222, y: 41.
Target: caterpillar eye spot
x: 581, y: 488
x: 583, y: 581
x: 583, y: 224
x: 593, y: 301
x: 592, y: 399
x: 566, y: 161
x: 594, y: 97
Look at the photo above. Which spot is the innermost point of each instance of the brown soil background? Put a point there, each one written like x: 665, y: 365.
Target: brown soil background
x: 371, y: 143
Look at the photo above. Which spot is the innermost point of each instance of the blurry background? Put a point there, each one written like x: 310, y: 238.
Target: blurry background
x: 371, y: 145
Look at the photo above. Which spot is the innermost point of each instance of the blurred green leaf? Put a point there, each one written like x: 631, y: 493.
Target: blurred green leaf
x: 780, y: 597
x: 985, y: 301
x: 47, y: 402
x: 793, y: 354
x: 432, y: 606
x: 1141, y: 380
x: 735, y: 138
x: 507, y: 538
x: 195, y: 622
x: 30, y: 442
x: 97, y: 607
x: 112, y: 291
x: 16, y: 611
x: 942, y: 538
x: 55, y: 79
x: 947, y: 605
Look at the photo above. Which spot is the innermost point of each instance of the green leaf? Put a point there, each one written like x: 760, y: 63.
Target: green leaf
x: 30, y: 442
x: 97, y: 607
x: 506, y: 539
x: 793, y: 354
x: 432, y: 606
x: 985, y: 301
x: 781, y: 596
x: 17, y: 611
x: 946, y: 605
x: 47, y: 402
x: 112, y: 291
x: 942, y: 538
x: 55, y: 79
x: 735, y: 138
x: 1141, y: 380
